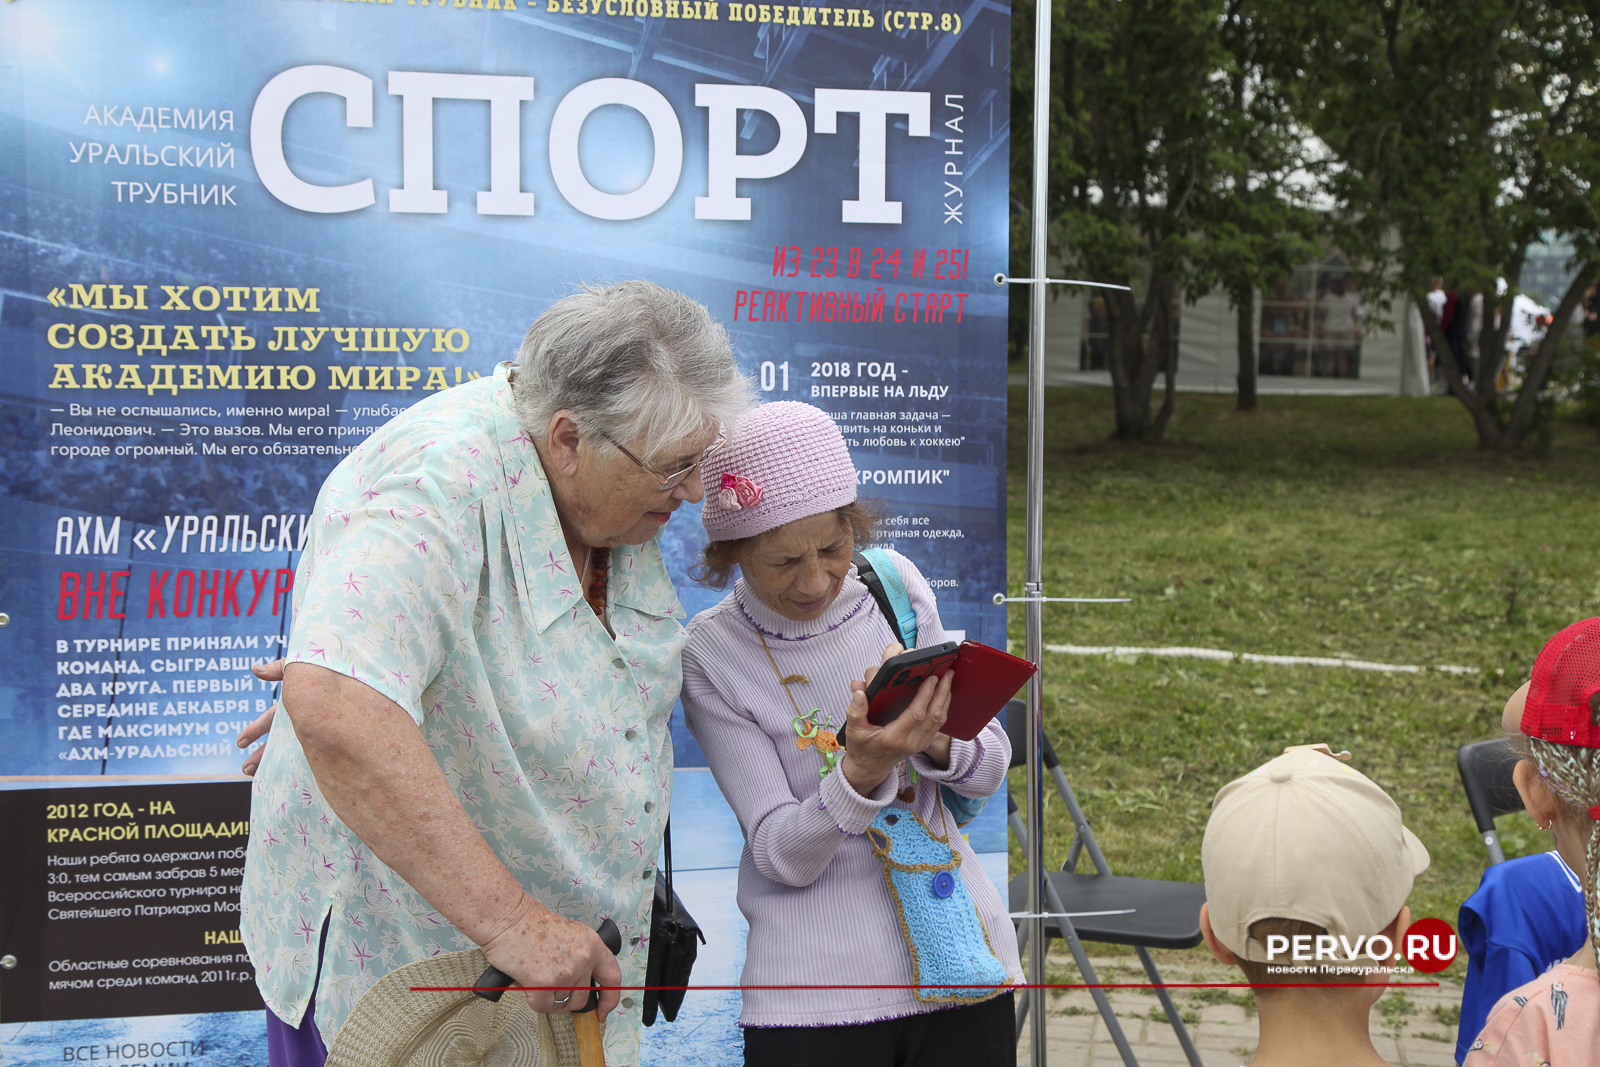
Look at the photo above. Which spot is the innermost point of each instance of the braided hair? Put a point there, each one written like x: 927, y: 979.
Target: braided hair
x: 1573, y: 775
x: 1561, y: 728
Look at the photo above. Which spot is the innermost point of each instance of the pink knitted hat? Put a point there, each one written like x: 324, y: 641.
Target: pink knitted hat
x: 787, y: 461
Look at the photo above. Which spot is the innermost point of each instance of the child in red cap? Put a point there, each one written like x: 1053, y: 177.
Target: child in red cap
x: 1554, y: 1020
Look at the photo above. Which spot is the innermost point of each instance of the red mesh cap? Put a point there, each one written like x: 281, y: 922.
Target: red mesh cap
x: 1564, y: 693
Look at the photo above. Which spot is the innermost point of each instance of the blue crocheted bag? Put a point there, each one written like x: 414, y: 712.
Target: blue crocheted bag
x: 952, y: 960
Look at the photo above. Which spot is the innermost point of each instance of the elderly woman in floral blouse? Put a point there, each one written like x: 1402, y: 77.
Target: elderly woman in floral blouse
x: 483, y: 662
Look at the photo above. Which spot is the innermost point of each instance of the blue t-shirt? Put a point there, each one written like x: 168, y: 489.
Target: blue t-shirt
x: 1525, y: 917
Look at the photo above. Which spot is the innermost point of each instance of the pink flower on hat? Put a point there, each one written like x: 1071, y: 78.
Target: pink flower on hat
x: 739, y: 492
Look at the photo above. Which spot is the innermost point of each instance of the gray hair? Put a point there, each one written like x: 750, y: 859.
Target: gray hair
x: 635, y: 360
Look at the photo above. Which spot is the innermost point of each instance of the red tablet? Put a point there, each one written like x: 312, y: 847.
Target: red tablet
x: 985, y: 679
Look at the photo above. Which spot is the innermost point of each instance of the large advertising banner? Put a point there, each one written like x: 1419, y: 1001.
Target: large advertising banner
x: 236, y: 238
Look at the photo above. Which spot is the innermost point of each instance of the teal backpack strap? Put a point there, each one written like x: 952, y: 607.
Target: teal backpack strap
x: 882, y: 579
x: 880, y: 596
x: 894, y: 589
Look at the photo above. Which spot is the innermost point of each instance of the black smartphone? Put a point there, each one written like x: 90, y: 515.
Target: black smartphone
x: 895, y: 684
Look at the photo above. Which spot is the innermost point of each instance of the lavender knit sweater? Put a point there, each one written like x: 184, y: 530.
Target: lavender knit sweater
x: 809, y: 885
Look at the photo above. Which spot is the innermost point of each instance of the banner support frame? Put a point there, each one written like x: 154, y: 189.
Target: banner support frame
x: 1033, y: 572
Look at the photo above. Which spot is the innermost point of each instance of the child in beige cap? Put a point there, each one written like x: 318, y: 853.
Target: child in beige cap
x: 1307, y: 869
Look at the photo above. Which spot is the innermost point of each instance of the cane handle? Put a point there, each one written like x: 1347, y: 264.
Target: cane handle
x: 586, y: 1020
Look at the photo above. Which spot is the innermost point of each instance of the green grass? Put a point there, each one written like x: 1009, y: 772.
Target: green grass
x: 1396, y: 1009
x: 1223, y: 996
x: 1158, y: 1014
x: 1363, y: 527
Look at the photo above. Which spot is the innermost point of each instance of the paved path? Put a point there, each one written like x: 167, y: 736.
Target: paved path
x: 1409, y: 1026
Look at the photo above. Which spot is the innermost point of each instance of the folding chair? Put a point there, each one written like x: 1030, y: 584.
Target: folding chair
x: 1143, y: 912
x: 1486, y: 768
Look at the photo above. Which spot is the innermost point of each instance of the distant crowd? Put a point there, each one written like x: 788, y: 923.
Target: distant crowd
x: 1460, y: 315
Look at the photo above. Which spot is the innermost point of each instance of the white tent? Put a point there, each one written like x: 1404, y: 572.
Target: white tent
x: 1392, y: 362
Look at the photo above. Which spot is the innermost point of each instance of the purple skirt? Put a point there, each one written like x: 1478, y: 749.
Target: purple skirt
x: 299, y: 1046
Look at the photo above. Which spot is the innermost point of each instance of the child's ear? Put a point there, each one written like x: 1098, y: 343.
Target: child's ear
x: 1397, y: 930
x: 1396, y: 933
x: 1536, y: 796
x: 1218, y: 949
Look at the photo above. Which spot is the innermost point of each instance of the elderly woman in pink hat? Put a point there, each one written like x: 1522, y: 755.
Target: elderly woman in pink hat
x: 836, y: 893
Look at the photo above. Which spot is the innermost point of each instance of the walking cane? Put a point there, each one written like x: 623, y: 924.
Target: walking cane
x: 586, y: 1020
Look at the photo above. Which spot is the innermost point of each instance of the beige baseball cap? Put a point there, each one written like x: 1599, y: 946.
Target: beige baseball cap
x: 1306, y: 837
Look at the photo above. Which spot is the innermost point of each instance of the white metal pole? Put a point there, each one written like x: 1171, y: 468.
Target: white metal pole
x: 1033, y: 574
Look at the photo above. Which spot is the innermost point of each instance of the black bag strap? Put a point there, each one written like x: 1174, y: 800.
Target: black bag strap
x: 874, y: 584
x: 666, y: 841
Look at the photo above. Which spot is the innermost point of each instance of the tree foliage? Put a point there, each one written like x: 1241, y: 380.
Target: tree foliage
x: 1261, y: 225
x: 1460, y: 133
x: 1168, y: 166
x: 1441, y: 139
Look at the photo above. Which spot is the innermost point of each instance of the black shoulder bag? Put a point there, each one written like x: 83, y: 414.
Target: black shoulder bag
x: 672, y: 945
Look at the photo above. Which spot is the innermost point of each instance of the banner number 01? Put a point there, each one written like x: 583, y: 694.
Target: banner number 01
x: 769, y: 376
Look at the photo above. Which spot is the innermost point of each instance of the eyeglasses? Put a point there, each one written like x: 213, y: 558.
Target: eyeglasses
x: 667, y: 482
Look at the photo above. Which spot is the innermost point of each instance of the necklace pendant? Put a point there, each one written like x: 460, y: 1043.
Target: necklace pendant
x: 908, y: 795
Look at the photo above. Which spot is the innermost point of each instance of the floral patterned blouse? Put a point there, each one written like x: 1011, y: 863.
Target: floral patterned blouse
x: 436, y: 573
x: 1553, y: 1021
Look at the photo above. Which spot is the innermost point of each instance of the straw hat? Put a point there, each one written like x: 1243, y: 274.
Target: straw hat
x: 395, y: 1026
